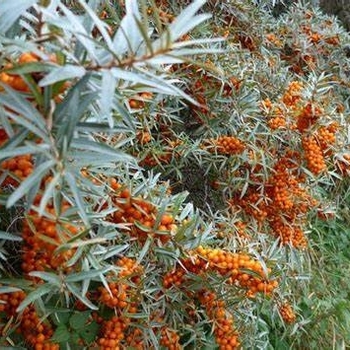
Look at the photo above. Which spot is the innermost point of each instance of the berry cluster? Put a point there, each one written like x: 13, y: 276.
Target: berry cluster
x: 119, y: 295
x: 326, y: 136
x: 170, y: 339
x: 287, y: 313
x: 15, y: 80
x: 313, y: 155
x: 227, y: 145
x: 307, y: 117
x: 17, y: 168
x: 231, y: 265
x: 42, y: 235
x: 139, y: 101
x: 283, y: 203
x: 278, y: 119
x: 140, y: 216
x: 35, y: 331
x: 278, y: 112
x: 135, y: 339
x: 225, y: 334
x: 112, y: 333
x: 292, y: 96
x: 169, y: 149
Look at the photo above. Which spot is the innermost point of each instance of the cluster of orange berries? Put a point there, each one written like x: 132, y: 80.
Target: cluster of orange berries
x: 118, y: 295
x: 231, y: 265
x: 289, y: 100
x: 289, y: 232
x: 317, y: 145
x: 273, y: 39
x: 17, y: 168
x: 168, y: 152
x: 253, y: 204
x: 278, y: 119
x: 312, y: 35
x: 289, y: 201
x: 313, y: 155
x: 15, y: 80
x: 140, y: 216
x: 308, y: 116
x: 283, y: 203
x: 287, y: 313
x: 292, y: 96
x: 41, y: 236
x: 35, y: 332
x: 326, y: 136
x: 135, y: 339
x: 143, y: 137
x: 343, y: 164
x: 225, y: 334
x: 113, y: 333
x: 170, y: 339
x: 139, y: 101
x: 227, y: 145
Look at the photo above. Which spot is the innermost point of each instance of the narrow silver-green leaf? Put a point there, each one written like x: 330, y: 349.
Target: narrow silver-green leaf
x: 11, y: 10
x: 107, y: 96
x: 47, y: 276
x: 9, y: 236
x: 36, y: 294
x: 103, y: 149
x: 78, y: 293
x: 81, y: 276
x: 8, y: 289
x: 62, y: 73
x: 30, y: 181
x: 71, y: 181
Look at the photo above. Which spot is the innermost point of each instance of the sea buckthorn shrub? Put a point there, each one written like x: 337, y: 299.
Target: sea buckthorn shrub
x: 115, y: 115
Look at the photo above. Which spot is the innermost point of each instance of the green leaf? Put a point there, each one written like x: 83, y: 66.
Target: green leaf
x: 49, y: 193
x: 127, y: 37
x: 78, y: 293
x: 107, y: 96
x: 81, y: 276
x: 9, y: 290
x: 61, y: 317
x: 66, y: 72
x: 182, y: 24
x: 29, y: 182
x: 61, y: 334
x: 13, y: 152
x: 25, y: 114
x: 145, y: 249
x: 47, y: 276
x: 11, y: 10
x: 79, y: 319
x: 9, y: 236
x: 101, y: 149
x: 36, y: 294
x: 100, y: 25
x: 72, y: 23
x: 31, y: 67
x: 89, y: 332
x: 71, y: 181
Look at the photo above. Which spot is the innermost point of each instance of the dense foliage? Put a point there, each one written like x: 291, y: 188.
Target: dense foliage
x: 173, y: 175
